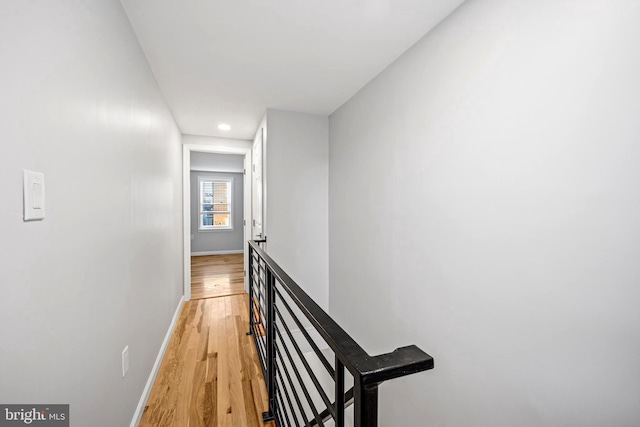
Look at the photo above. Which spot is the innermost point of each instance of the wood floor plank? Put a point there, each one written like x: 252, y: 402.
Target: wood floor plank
x: 185, y: 380
x: 217, y: 275
x: 235, y: 368
x: 160, y: 410
x: 210, y: 374
x: 224, y: 387
x: 197, y: 403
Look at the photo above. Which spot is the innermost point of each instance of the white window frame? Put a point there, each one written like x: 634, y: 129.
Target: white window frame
x: 201, y: 212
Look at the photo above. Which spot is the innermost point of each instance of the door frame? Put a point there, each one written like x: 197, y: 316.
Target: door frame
x: 186, y: 204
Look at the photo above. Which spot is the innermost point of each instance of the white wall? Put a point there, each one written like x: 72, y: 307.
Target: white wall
x: 103, y: 270
x: 297, y: 191
x: 213, y: 162
x: 205, y: 241
x: 220, y: 145
x: 484, y: 205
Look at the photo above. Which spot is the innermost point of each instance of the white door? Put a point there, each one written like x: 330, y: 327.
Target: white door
x: 257, y: 189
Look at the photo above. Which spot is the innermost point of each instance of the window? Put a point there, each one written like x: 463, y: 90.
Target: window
x: 215, y: 204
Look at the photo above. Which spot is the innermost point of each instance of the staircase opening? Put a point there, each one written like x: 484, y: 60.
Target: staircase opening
x: 314, y: 370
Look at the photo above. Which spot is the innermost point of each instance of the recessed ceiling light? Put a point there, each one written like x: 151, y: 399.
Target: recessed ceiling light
x: 224, y: 126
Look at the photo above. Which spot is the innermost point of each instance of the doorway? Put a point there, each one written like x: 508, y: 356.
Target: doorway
x: 220, y: 270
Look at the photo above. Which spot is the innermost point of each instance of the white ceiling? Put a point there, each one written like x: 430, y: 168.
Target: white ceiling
x: 227, y: 61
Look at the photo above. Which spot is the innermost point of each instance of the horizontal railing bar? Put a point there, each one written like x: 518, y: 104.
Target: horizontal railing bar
x: 255, y: 288
x: 369, y: 369
x: 262, y: 360
x: 255, y: 284
x: 260, y: 346
x: 293, y: 388
x: 304, y: 361
x: 262, y: 355
x: 305, y: 391
x: 286, y: 394
x: 257, y: 321
x: 326, y: 415
x: 280, y: 412
x: 261, y: 298
x: 259, y: 282
x: 302, y: 329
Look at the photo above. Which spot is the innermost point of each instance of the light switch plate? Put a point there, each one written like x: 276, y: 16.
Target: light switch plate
x: 33, y: 195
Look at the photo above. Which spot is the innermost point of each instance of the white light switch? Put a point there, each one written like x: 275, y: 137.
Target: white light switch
x: 33, y: 195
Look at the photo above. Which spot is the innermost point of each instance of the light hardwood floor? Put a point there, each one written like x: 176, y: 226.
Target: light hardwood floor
x: 217, y: 275
x: 210, y: 374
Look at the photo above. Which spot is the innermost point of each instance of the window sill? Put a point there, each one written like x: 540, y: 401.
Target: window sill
x: 208, y: 230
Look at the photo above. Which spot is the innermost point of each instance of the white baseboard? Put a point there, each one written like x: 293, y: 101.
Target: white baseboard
x: 234, y: 251
x: 152, y: 377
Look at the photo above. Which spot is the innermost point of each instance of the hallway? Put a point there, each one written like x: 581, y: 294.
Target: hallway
x: 458, y: 175
x: 210, y: 374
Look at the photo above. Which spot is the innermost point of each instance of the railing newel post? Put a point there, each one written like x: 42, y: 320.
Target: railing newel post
x: 365, y: 401
x: 339, y: 393
x: 250, y: 272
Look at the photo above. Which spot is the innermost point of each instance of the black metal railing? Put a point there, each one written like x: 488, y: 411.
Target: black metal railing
x: 304, y: 388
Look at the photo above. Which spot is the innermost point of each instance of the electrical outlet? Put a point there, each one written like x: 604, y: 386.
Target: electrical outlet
x: 125, y: 361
